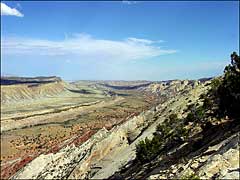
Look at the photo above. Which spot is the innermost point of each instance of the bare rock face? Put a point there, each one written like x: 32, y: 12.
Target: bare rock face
x: 223, y: 163
x: 170, y: 87
x: 61, y: 164
x: 76, y: 162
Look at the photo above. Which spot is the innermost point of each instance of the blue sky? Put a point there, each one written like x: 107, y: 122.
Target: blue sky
x: 118, y: 40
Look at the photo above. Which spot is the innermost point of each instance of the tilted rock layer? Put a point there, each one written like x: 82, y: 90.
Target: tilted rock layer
x: 108, y: 151
x: 20, y: 89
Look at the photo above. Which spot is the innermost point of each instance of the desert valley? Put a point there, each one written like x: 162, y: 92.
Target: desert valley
x: 90, y: 129
x: 120, y: 90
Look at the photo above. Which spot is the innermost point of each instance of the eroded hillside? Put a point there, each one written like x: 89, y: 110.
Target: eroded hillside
x: 15, y: 89
x: 93, y: 129
x: 107, y: 151
x: 43, y: 117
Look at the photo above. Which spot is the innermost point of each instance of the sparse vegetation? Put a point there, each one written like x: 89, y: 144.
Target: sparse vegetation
x: 190, y: 177
x: 197, y: 114
x: 170, y: 132
x: 222, y: 99
x: 224, y: 96
x: 229, y: 88
x: 147, y: 149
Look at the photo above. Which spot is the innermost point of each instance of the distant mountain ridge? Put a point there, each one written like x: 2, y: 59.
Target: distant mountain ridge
x: 18, y: 89
x: 26, y: 80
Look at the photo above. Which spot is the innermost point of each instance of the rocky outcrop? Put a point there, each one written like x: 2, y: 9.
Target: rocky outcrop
x: 223, y: 163
x: 76, y: 162
x: 211, y: 153
x: 220, y: 161
x: 18, y: 89
x: 134, y: 130
x: 171, y: 87
x: 61, y: 164
x: 110, y: 151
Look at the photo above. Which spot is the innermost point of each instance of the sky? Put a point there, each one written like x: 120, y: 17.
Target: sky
x: 118, y: 40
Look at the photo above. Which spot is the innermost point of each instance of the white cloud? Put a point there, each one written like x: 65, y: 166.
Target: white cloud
x: 6, y: 10
x: 129, y: 2
x: 85, y: 46
x: 144, y: 41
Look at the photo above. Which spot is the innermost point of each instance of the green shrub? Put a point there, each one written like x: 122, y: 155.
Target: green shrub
x: 200, y: 113
x: 229, y: 90
x: 164, y: 129
x: 196, y: 114
x: 181, y: 131
x: 147, y: 149
x: 190, y: 177
x: 190, y: 117
x: 207, y: 103
x: 166, y: 133
x: 215, y: 83
x: 173, y: 118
